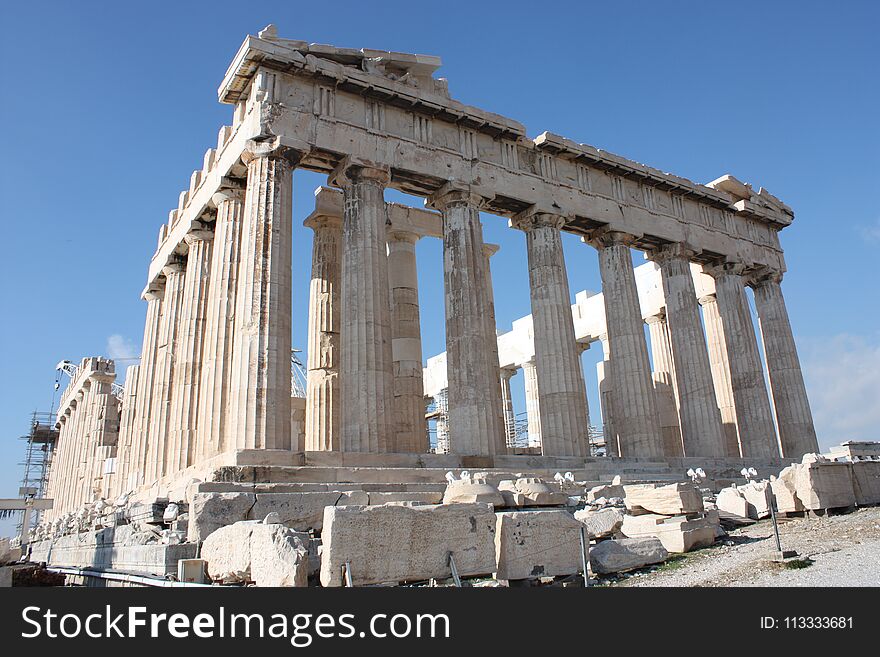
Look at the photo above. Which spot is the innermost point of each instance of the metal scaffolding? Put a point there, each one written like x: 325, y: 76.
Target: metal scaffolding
x: 39, y: 447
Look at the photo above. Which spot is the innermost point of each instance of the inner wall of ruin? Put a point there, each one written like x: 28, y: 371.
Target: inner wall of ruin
x: 214, y: 378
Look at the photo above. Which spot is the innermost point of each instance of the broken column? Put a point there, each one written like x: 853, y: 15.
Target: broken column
x: 563, y: 401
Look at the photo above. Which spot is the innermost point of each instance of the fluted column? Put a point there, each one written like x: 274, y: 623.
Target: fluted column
x: 701, y: 430
x: 214, y: 434
x: 185, y: 397
x: 664, y: 384
x: 146, y: 404
x: 475, y: 424
x: 563, y: 398
x: 636, y: 420
x: 507, y: 404
x: 125, y: 452
x: 496, y: 397
x: 793, y: 416
x: 533, y: 404
x: 754, y: 419
x: 406, y: 344
x: 605, y: 384
x: 163, y: 381
x: 260, y: 389
x: 366, y: 382
x: 322, y: 381
x: 721, y: 372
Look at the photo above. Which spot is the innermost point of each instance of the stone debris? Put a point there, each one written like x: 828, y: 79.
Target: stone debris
x: 824, y: 484
x: 664, y: 499
x: 606, y: 491
x: 532, y: 544
x: 530, y: 491
x: 620, y: 555
x: 751, y: 500
x: 472, y: 491
x: 253, y: 551
x: 731, y: 500
x: 866, y: 482
x: 784, y: 489
x: 395, y: 543
x: 677, y: 533
x: 601, y: 523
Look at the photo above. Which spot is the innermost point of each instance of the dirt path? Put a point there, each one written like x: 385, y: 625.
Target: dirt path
x: 842, y: 550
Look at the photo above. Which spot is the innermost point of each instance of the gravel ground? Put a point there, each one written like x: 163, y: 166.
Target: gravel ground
x: 842, y: 550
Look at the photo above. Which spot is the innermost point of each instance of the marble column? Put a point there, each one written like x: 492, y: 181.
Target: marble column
x: 636, y: 419
x: 754, y: 419
x: 215, y: 395
x: 664, y: 384
x: 507, y: 404
x: 721, y: 372
x: 186, y: 392
x: 533, y: 404
x: 145, y: 405
x: 475, y: 424
x: 157, y: 456
x: 701, y: 431
x: 366, y: 381
x: 605, y: 383
x: 323, y: 410
x: 496, y: 401
x: 409, y: 429
x: 260, y: 390
x: 563, y: 398
x: 793, y: 416
x: 127, y: 425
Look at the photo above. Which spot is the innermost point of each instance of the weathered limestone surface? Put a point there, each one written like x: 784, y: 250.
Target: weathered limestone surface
x: 668, y: 500
x: 601, y: 523
x: 259, y: 415
x: 563, y: 401
x: 253, y: 551
x: 322, y: 383
x: 532, y: 544
x: 785, y: 490
x: 796, y: 431
x: 409, y: 430
x: 146, y: 402
x: 392, y: 543
x: 475, y: 425
x: 533, y: 404
x: 366, y: 384
x: 866, y: 482
x: 635, y: 416
x: 215, y: 396
x: 495, y: 393
x: 717, y: 345
x: 530, y: 491
x: 825, y: 485
x: 733, y: 501
x: 753, y: 416
x: 622, y: 554
x: 677, y: 533
x: 463, y: 491
x: 701, y: 430
x: 665, y: 385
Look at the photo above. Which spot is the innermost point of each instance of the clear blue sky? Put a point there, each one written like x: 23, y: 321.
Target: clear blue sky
x: 108, y: 107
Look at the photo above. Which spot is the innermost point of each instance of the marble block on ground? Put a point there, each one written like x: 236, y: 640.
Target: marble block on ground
x: 530, y: 544
x: 620, y: 555
x: 677, y: 533
x: 601, y: 523
x: 668, y: 499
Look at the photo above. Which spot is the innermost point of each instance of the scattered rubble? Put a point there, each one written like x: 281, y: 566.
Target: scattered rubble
x: 620, y: 555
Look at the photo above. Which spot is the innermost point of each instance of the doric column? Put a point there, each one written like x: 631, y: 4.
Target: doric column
x: 475, y: 424
x: 260, y: 408
x: 496, y: 397
x: 701, y: 430
x: 322, y: 381
x: 664, y: 384
x: 754, y: 419
x: 793, y: 416
x: 636, y: 423
x: 215, y: 395
x: 127, y: 424
x: 563, y: 398
x: 605, y: 383
x: 720, y: 372
x: 533, y: 404
x: 145, y: 404
x: 406, y: 344
x: 507, y: 405
x: 157, y: 456
x: 187, y: 379
x: 366, y: 382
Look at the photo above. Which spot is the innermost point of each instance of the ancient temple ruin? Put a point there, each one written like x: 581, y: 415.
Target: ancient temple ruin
x: 210, y: 409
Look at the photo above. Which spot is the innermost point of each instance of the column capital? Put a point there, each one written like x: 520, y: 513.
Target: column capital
x: 200, y: 233
x: 725, y: 269
x: 227, y: 194
x: 352, y: 170
x: 707, y: 299
x: 508, y: 372
x: 763, y: 276
x: 455, y: 193
x: 275, y: 149
x: 490, y: 249
x: 672, y: 251
x: 397, y: 235
x: 174, y: 266
x: 154, y: 291
x: 532, y: 218
x: 601, y: 238
x: 318, y: 221
x: 660, y: 316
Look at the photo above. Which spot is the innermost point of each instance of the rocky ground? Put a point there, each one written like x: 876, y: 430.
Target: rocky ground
x: 837, y: 550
